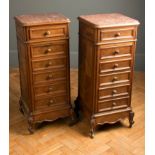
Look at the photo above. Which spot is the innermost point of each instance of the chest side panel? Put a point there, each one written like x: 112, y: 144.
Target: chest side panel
x: 24, y: 73
x: 86, y: 73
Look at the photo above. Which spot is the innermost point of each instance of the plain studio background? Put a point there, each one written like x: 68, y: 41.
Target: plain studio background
x: 72, y: 9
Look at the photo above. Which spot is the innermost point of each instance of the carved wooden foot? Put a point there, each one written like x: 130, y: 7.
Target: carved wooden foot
x: 77, y: 108
x: 31, y: 126
x: 20, y: 106
x: 131, y: 116
x: 91, y: 133
x: 92, y: 128
x: 73, y: 119
x: 72, y: 114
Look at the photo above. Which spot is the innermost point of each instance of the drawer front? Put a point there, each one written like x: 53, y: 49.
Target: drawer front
x: 48, y: 77
x: 51, y: 102
x: 48, y: 49
x: 113, y: 78
x: 50, y: 89
x: 115, y: 52
x: 113, y: 104
x: 115, y: 65
x: 113, y: 91
x: 44, y: 32
x: 48, y: 64
x: 114, y: 34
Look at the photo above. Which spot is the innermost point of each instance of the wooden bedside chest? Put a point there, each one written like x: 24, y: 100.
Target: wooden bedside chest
x: 43, y: 49
x: 106, y: 61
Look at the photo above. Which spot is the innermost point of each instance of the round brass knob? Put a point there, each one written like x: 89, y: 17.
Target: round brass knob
x: 50, y: 102
x: 49, y: 76
x: 117, y: 34
x: 50, y: 89
x: 116, y: 52
x: 47, y: 33
x: 115, y: 78
x: 49, y: 63
x: 114, y: 91
x: 114, y: 103
x: 48, y: 50
x: 115, y: 65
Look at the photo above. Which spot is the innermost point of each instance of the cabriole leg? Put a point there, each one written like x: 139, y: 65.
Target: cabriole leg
x: 77, y: 108
x: 131, y: 116
x: 31, y: 126
x: 92, y: 127
x: 20, y: 106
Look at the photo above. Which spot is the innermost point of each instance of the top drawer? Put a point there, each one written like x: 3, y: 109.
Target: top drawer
x: 117, y: 34
x: 50, y: 31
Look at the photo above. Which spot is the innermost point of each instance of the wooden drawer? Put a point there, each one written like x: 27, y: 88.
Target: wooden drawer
x: 50, y: 89
x: 107, y: 92
x: 114, y: 78
x: 51, y: 102
x: 44, y: 32
x: 49, y: 64
x: 116, y: 50
x: 48, y: 49
x: 112, y: 104
x: 119, y: 64
x: 50, y: 76
x: 116, y: 33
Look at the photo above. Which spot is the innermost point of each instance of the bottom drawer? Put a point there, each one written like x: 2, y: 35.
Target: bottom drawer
x: 51, y: 102
x: 112, y: 116
x: 113, y: 104
x: 52, y: 115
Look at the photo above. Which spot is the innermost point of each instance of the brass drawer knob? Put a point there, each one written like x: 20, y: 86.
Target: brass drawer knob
x: 50, y: 102
x: 49, y: 77
x: 115, y: 65
x: 48, y: 50
x: 49, y: 63
x: 47, y: 33
x: 116, y: 52
x: 114, y: 91
x: 115, y: 78
x: 114, y: 104
x: 117, y: 34
x: 50, y: 89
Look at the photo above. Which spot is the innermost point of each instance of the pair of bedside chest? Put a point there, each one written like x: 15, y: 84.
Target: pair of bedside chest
x: 106, y: 59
